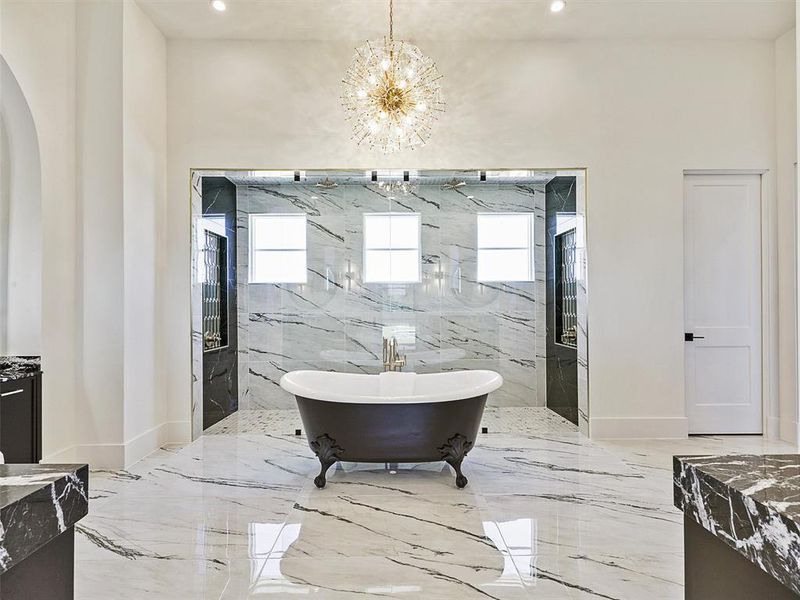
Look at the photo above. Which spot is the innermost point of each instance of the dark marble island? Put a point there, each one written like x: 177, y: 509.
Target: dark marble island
x: 741, y: 525
x: 21, y: 409
x: 13, y: 368
x: 39, y: 506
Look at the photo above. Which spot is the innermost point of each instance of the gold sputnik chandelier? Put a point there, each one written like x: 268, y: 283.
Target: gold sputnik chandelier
x: 392, y: 94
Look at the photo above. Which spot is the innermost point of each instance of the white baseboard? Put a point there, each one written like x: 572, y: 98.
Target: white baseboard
x: 97, y: 456
x: 179, y: 432
x: 773, y: 431
x: 143, y: 444
x: 65, y: 455
x: 603, y: 428
x: 788, y: 431
x: 121, y: 456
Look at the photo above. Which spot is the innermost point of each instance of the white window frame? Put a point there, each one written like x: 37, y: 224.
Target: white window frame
x: 530, y: 218
x: 391, y: 248
x: 252, y: 250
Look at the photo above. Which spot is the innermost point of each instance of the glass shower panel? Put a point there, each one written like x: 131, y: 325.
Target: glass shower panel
x: 410, y: 297
x: 365, y: 301
x: 314, y: 316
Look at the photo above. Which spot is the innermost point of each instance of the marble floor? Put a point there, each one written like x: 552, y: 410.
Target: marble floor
x: 548, y: 514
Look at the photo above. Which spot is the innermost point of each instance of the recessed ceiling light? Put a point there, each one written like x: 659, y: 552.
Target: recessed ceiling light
x: 557, y: 5
x: 218, y: 5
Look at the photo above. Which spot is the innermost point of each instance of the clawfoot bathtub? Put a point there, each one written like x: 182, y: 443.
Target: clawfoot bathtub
x: 391, y: 417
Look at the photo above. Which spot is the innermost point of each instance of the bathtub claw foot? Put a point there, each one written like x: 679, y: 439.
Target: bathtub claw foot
x: 327, y: 451
x: 454, y: 452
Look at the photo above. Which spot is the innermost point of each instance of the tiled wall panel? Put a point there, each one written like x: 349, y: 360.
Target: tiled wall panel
x: 336, y: 321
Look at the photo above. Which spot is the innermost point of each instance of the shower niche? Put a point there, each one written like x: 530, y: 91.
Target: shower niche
x: 215, y: 293
x: 566, y: 291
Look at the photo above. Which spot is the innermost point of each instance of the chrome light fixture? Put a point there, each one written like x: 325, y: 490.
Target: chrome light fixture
x: 392, y: 93
x: 453, y: 184
x: 327, y: 184
x: 395, y: 188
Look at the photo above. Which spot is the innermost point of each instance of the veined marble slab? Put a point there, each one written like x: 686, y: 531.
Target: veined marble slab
x: 19, y: 367
x: 752, y: 503
x: 501, y: 322
x: 37, y: 503
x: 337, y: 313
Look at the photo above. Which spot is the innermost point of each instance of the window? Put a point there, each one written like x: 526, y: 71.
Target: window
x: 277, y: 248
x: 505, y: 247
x: 391, y: 247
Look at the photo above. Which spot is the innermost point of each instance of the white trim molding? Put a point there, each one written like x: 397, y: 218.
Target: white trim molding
x: 604, y: 428
x: 122, y: 456
x: 725, y: 171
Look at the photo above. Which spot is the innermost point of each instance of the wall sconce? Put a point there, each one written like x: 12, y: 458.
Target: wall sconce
x: 439, y: 275
x: 455, y: 280
x: 349, y: 275
x: 436, y: 277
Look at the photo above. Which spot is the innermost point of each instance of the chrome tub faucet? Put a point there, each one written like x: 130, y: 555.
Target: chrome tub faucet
x: 392, y: 361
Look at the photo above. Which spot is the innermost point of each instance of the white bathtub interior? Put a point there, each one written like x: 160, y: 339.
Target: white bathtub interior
x: 392, y: 387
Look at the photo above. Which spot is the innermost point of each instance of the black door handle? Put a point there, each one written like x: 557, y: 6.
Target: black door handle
x: 690, y: 337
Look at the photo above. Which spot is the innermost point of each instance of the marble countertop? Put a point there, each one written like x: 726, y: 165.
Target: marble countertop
x: 752, y: 503
x: 19, y: 367
x: 37, y: 503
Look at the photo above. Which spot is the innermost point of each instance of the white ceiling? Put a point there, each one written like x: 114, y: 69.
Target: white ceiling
x: 473, y: 19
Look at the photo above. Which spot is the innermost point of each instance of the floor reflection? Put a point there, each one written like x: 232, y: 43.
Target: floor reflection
x: 547, y: 515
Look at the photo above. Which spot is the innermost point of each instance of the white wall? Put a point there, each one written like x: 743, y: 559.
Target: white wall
x: 122, y: 163
x: 100, y: 194
x: 37, y: 40
x: 94, y: 74
x: 785, y: 184
x: 635, y: 113
x: 20, y: 223
x: 144, y: 188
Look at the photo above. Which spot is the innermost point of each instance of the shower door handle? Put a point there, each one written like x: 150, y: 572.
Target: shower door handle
x: 690, y: 337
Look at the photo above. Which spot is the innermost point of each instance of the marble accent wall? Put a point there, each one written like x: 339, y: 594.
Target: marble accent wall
x: 562, y: 371
x: 196, y: 203
x: 336, y: 321
x: 583, y: 301
x: 220, y: 367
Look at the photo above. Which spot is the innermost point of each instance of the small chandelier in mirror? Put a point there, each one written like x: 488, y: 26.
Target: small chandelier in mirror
x: 392, y: 93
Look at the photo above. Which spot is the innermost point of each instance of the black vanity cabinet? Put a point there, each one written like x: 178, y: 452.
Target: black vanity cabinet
x: 21, y: 419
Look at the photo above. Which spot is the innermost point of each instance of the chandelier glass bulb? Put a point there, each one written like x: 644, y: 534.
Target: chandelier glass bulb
x: 392, y: 94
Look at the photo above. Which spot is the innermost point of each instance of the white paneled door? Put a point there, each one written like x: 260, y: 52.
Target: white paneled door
x: 722, y: 287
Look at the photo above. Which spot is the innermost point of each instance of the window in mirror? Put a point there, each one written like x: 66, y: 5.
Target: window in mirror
x: 277, y: 248
x: 391, y: 247
x: 505, y: 247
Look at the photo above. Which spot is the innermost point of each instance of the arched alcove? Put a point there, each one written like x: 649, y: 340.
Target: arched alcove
x: 20, y: 222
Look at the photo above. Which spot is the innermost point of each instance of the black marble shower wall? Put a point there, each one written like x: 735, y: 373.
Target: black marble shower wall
x: 220, y: 378
x: 562, y: 360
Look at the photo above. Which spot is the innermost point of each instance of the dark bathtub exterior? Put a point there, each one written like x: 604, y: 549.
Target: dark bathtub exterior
x: 422, y: 432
